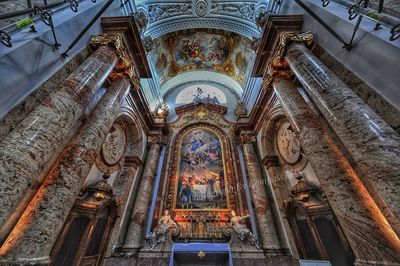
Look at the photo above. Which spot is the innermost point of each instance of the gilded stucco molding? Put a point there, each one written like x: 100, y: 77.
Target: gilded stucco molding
x: 247, y: 138
x: 125, y: 67
x: 277, y: 66
x: 157, y: 139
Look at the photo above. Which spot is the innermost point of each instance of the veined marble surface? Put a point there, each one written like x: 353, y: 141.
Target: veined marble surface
x: 29, y: 149
x: 370, y: 236
x: 19, y: 112
x: 266, y: 225
x: 37, y: 230
x: 372, y: 143
x: 135, y: 233
x: 374, y: 100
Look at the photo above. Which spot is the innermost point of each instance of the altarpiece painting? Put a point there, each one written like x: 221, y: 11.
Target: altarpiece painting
x: 201, y: 173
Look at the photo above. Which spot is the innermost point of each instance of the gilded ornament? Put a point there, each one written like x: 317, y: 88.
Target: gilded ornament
x: 125, y: 66
x: 240, y: 109
x: 158, y: 139
x: 276, y: 65
x: 247, y: 138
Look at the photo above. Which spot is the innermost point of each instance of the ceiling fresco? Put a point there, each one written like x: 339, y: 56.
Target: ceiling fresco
x: 210, y: 50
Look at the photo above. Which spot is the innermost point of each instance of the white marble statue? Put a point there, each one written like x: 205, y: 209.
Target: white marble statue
x: 158, y: 235
x: 237, y: 222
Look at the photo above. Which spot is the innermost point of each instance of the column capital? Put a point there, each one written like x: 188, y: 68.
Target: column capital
x: 270, y: 161
x: 277, y: 66
x: 125, y: 67
x: 157, y: 139
x: 247, y: 138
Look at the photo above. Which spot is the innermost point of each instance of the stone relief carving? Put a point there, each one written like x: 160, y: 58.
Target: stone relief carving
x: 114, y: 145
x: 161, y: 11
x: 242, y: 10
x: 113, y: 150
x: 213, y: 23
x: 200, y: 8
x: 216, y: 14
x: 158, y: 235
x: 287, y: 143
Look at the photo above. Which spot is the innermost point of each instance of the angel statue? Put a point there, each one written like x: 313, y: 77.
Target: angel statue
x: 237, y: 222
x: 158, y: 235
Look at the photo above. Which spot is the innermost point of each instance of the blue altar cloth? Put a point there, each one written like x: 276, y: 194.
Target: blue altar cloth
x: 197, y: 247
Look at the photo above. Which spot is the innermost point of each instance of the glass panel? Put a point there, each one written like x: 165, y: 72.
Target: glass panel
x: 70, y: 246
x: 209, y: 93
x: 306, y: 236
x: 97, y: 236
x: 332, y: 242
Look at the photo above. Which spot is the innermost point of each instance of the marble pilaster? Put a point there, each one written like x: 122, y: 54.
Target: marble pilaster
x: 30, y: 149
x: 267, y: 231
x: 135, y: 234
x: 372, y: 143
x: 35, y: 233
x: 280, y: 192
x: 370, y: 236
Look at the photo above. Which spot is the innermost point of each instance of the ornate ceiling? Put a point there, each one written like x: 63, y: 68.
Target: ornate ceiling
x: 170, y: 16
x: 205, y: 50
x: 201, y: 35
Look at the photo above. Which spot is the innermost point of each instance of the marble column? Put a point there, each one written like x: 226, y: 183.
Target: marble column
x: 267, y: 232
x: 370, y: 236
x: 30, y: 149
x: 34, y: 235
x: 373, y: 144
x: 136, y: 230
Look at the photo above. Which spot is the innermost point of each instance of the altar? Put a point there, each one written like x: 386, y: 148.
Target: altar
x: 200, y: 254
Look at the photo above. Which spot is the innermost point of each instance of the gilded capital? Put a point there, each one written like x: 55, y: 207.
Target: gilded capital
x: 125, y: 66
x: 277, y: 66
x: 247, y: 138
x: 157, y: 139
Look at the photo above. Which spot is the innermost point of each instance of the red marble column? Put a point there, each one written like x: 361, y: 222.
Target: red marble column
x: 29, y: 150
x: 34, y: 235
x: 135, y: 234
x: 267, y: 231
x: 369, y: 234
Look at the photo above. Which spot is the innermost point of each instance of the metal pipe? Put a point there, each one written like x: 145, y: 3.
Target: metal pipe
x: 354, y: 11
x: 91, y: 22
x: 380, y: 9
x: 12, y: 29
x: 28, y: 10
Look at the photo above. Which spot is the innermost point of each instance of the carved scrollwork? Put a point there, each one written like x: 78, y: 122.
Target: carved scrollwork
x: 276, y: 65
x: 247, y: 138
x: 125, y: 67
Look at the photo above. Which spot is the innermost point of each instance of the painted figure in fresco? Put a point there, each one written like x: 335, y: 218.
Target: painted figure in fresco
x: 192, y: 51
x: 158, y: 235
x: 237, y: 222
x: 201, y: 170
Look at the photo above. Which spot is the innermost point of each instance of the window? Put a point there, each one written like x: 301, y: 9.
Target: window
x: 204, y: 92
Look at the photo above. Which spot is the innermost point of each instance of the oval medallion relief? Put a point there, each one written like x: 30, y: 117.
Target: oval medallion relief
x: 287, y: 143
x: 114, y: 146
